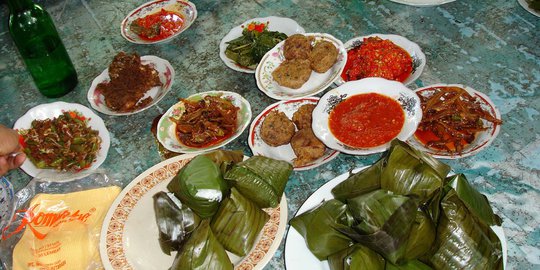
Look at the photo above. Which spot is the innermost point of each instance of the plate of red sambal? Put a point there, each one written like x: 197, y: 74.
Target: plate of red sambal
x: 457, y: 122
x: 391, y: 57
x: 362, y: 117
x: 204, y: 122
x: 158, y: 21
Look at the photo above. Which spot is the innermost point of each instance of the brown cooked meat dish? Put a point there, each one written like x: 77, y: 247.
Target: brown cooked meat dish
x: 292, y: 73
x: 129, y: 82
x: 277, y: 129
x: 307, y: 147
x: 323, y: 56
x: 302, y: 118
x: 297, y: 46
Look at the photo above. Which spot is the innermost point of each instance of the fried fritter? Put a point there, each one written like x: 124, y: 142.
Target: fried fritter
x: 306, y: 146
x: 323, y: 56
x: 297, y: 46
x: 302, y: 117
x: 292, y: 73
x: 277, y: 129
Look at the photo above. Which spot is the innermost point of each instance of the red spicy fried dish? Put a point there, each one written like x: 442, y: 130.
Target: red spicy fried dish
x: 206, y: 122
x: 377, y: 57
x: 157, y: 26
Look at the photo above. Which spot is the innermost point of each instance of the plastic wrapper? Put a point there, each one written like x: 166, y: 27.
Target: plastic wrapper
x: 57, y: 225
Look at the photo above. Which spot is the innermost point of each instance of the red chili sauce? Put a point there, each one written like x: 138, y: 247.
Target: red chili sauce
x: 157, y: 26
x: 366, y: 120
x: 377, y: 57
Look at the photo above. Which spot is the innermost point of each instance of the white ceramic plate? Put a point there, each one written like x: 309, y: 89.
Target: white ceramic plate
x: 408, y: 100
x: 423, y: 3
x: 55, y: 109
x: 166, y: 76
x: 298, y: 255
x: 317, y: 82
x: 283, y: 25
x: 7, y: 202
x: 129, y: 236
x: 525, y: 5
x: 418, y: 57
x: 185, y: 9
x: 283, y: 152
x: 483, y: 139
x: 166, y: 129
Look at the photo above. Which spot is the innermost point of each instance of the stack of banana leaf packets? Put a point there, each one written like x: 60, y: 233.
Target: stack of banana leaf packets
x: 214, y: 205
x: 403, y: 212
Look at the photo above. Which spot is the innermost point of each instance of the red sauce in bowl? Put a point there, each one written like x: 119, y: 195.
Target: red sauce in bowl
x: 157, y: 26
x: 366, y: 120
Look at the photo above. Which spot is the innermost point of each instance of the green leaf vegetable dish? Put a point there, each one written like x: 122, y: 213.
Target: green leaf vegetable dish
x: 248, y: 50
x: 403, y: 212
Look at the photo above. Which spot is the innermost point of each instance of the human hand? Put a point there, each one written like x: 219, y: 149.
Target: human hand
x: 10, y: 156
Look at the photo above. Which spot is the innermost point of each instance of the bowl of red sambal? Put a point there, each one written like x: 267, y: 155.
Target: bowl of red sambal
x: 158, y: 21
x: 362, y: 117
x: 391, y: 57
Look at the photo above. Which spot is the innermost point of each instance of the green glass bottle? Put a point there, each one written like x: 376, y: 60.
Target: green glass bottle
x: 42, y: 50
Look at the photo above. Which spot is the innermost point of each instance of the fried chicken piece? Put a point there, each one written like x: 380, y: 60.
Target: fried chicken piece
x: 307, y: 147
x: 323, y: 56
x: 302, y: 118
x: 292, y: 73
x: 277, y: 129
x: 297, y: 46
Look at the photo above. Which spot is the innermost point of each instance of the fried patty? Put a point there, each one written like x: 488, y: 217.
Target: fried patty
x: 292, y: 73
x: 277, y: 129
x: 303, y: 116
x: 297, y: 46
x: 323, y: 56
x: 307, y: 147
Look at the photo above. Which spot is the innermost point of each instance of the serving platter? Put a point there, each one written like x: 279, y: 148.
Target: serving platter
x: 316, y: 83
x: 129, y: 235
x: 483, y: 138
x: 166, y: 76
x: 418, y: 57
x: 283, y: 152
x: 423, y: 3
x: 166, y: 129
x: 185, y: 9
x: 297, y: 254
x: 525, y: 5
x: 55, y: 109
x: 279, y: 24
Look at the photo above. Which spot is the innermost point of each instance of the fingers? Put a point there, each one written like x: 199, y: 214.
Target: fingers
x: 4, y: 167
x: 9, y: 141
x: 11, y: 162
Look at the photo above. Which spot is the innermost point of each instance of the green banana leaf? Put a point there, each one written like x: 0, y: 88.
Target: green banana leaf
x: 320, y: 228
x: 356, y: 257
x: 409, y: 265
x: 411, y: 172
x: 275, y: 172
x: 225, y: 159
x: 202, y: 251
x: 252, y: 187
x: 175, y: 221
x: 433, y: 205
x: 237, y: 223
x: 359, y: 183
x: 421, y: 238
x: 200, y: 186
x: 462, y: 241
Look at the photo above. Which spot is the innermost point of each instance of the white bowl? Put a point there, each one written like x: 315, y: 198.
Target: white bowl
x: 166, y: 129
x: 317, y: 82
x: 186, y: 9
x: 55, y: 109
x: 283, y: 25
x: 483, y: 139
x: 418, y: 57
x: 409, y: 101
x: 525, y: 5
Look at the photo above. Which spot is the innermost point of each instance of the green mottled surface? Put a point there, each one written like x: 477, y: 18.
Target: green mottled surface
x: 490, y: 45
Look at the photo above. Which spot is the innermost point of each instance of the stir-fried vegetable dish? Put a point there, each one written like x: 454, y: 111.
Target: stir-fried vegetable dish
x: 451, y: 119
x: 65, y: 143
x: 206, y: 122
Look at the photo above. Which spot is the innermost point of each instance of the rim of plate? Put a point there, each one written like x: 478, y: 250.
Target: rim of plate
x: 414, y: 50
x: 260, y: 118
x: 525, y: 6
x: 166, y: 76
x: 266, y: 85
x: 476, y: 146
x: 171, y: 143
x: 422, y: 3
x: 409, y: 101
x: 233, y: 33
x: 147, y: 8
x: 112, y: 234
x: 55, y: 109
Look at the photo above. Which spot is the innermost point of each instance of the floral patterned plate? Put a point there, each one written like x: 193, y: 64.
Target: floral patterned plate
x: 409, y: 101
x: 317, y: 83
x: 166, y: 76
x: 166, y: 129
x: 418, y: 57
x: 423, y: 3
x: 283, y: 152
x: 129, y: 235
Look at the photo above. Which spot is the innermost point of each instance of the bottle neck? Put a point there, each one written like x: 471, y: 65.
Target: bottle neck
x: 19, y: 5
